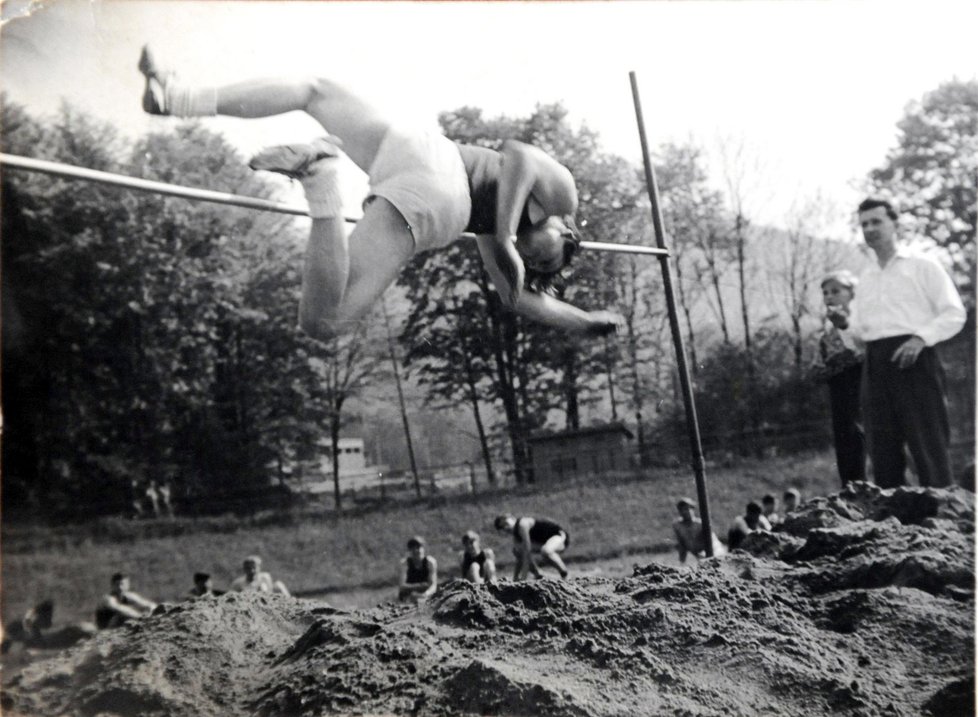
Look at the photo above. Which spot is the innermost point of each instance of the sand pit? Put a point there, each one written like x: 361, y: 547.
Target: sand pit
x: 862, y: 605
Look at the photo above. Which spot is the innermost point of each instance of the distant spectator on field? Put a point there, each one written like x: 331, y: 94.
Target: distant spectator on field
x: 689, y: 533
x: 121, y: 604
x: 135, y: 500
x: 419, y: 573
x: 255, y: 580
x: 534, y: 535
x: 166, y: 503
x: 203, y: 586
x: 769, y: 508
x: 33, y: 630
x: 478, y: 563
x: 28, y: 629
x: 746, y: 524
x: 792, y: 500
x: 153, y: 499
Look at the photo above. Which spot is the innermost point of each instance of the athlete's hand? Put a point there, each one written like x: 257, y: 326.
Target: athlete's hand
x: 511, y: 265
x: 605, y: 323
x: 906, y: 354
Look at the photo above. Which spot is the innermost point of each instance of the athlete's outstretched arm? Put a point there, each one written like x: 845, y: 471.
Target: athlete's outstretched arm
x: 546, y: 309
x: 553, y: 312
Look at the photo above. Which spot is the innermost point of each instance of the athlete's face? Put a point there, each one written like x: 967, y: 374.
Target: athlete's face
x: 542, y: 247
x: 471, y: 545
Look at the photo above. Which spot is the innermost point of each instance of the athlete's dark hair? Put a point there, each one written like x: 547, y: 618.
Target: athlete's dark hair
x: 552, y: 282
x: 872, y: 203
x: 500, y: 521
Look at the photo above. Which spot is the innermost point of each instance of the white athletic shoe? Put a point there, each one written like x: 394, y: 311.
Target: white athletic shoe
x: 295, y: 160
x: 154, y: 93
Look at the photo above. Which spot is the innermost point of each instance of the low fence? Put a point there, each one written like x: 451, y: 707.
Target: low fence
x: 470, y: 478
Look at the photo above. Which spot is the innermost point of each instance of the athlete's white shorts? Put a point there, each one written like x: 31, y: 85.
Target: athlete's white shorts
x: 421, y: 173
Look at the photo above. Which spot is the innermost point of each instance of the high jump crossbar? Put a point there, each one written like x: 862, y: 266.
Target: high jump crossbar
x: 13, y: 161
x: 145, y: 185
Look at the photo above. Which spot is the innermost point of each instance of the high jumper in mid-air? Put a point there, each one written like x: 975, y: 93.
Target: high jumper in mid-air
x: 425, y: 192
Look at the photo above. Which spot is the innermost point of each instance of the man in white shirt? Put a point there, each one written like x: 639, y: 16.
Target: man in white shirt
x: 906, y: 304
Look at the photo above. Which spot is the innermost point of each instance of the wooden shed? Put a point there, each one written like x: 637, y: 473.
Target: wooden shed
x: 592, y: 451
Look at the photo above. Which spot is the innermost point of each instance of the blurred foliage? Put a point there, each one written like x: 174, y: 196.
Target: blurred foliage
x: 147, y: 337
x: 932, y: 173
x: 464, y: 346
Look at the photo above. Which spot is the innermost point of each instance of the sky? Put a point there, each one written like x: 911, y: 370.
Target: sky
x: 812, y: 90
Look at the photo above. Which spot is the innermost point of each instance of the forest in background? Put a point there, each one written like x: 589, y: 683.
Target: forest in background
x: 146, y: 337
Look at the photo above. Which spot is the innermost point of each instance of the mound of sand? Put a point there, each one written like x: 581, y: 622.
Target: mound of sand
x: 863, y: 604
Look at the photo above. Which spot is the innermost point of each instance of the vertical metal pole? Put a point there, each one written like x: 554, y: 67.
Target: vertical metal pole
x: 692, y: 424
x: 400, y: 399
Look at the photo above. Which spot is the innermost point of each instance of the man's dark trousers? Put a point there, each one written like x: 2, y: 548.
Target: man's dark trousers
x: 906, y: 406
x: 847, y: 426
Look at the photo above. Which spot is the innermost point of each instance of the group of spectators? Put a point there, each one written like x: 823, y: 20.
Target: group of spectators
x: 885, y: 379
x: 532, y: 537
x: 123, y: 604
x: 151, y: 499
x: 691, y: 538
x: 877, y: 355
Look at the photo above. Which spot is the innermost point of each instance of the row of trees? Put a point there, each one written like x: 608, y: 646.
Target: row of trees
x: 150, y: 337
x: 748, y: 295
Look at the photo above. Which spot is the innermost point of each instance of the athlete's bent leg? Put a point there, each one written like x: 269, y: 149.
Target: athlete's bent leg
x: 359, y: 125
x: 473, y: 575
x: 378, y: 249
x: 549, y: 554
x: 489, y: 567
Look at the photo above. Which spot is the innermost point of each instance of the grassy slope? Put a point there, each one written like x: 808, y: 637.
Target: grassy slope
x: 333, y: 552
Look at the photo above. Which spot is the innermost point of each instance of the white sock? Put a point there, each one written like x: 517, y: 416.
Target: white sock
x: 184, y: 101
x: 322, y: 189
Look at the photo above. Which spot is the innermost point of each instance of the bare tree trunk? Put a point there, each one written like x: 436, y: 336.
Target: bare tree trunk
x: 741, y: 243
x: 569, y: 388
x: 608, y: 347
x: 474, y: 400
x: 334, y: 434
x: 722, y: 314
x: 507, y: 392
x: 684, y: 303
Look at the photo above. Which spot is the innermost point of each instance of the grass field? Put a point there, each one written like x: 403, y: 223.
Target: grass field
x: 344, y: 552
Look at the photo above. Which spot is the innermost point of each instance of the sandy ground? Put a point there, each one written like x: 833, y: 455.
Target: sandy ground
x: 358, y: 599
x: 862, y: 604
